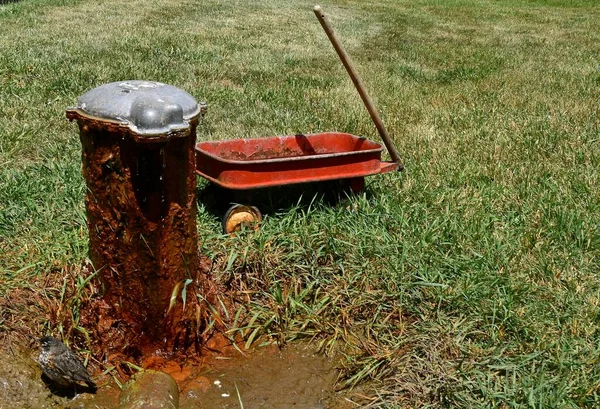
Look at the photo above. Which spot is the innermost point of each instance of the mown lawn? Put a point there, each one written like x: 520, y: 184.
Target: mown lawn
x: 470, y: 280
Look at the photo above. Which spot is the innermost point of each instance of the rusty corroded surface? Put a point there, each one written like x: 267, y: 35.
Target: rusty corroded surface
x: 141, y: 216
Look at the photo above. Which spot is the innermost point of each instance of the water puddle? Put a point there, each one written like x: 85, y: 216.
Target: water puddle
x: 266, y: 377
x: 294, y: 377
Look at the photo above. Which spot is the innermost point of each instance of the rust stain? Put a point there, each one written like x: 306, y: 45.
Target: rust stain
x: 141, y: 216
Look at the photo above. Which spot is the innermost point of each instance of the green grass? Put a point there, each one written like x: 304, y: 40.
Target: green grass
x: 470, y: 280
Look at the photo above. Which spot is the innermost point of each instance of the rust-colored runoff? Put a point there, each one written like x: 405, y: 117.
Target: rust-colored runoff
x: 141, y: 216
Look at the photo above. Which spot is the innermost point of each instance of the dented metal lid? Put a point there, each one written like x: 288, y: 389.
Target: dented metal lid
x: 146, y: 107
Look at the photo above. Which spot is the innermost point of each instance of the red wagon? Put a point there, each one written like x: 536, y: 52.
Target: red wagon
x: 281, y: 160
x: 242, y: 164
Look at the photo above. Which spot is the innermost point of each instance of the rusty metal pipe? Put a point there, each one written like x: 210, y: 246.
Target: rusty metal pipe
x: 138, y: 157
x: 359, y: 86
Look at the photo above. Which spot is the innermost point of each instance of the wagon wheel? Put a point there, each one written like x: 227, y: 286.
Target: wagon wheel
x: 238, y: 216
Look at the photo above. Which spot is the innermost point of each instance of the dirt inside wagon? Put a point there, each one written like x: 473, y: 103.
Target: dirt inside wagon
x: 262, y: 154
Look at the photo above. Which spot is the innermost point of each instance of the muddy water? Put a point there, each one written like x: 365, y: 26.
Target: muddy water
x: 21, y: 386
x: 268, y: 378
x: 294, y: 377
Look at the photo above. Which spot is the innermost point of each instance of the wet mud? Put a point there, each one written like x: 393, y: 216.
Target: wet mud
x: 268, y: 377
x: 22, y: 386
x: 294, y: 377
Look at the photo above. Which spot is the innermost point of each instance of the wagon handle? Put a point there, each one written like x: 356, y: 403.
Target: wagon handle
x: 359, y: 86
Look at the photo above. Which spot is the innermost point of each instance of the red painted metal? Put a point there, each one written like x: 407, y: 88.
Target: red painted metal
x: 280, y: 160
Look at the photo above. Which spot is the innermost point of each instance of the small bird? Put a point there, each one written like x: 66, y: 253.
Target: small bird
x: 62, y: 367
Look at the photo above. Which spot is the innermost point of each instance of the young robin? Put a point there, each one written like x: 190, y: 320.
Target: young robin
x: 61, y: 366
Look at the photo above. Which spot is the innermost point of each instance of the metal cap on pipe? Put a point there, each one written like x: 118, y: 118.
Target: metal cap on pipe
x: 145, y: 107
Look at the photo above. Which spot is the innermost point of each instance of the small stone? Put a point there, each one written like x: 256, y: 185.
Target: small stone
x: 150, y: 390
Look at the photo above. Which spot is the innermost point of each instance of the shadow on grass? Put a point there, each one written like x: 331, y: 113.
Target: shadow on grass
x: 273, y: 200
